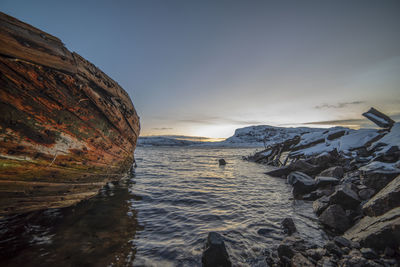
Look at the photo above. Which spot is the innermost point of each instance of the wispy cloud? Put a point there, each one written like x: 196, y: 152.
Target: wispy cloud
x: 163, y: 128
x: 347, y: 122
x: 339, y: 105
x: 219, y: 120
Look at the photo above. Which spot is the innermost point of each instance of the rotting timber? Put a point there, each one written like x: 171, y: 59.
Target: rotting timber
x: 66, y: 128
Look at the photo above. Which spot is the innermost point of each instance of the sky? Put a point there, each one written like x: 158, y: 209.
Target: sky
x: 205, y: 68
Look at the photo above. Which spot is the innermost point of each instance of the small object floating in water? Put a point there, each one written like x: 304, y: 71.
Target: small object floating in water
x: 215, y: 253
x: 221, y: 162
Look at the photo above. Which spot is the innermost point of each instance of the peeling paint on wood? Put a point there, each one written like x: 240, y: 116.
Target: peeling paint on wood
x: 66, y: 128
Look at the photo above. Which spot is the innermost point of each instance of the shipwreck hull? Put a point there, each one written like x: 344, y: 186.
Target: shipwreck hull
x: 66, y: 128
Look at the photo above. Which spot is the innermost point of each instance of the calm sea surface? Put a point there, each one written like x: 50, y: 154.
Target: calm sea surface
x: 161, y: 215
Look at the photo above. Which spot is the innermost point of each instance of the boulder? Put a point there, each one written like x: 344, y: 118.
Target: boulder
x: 305, y: 167
x: 385, y: 200
x: 215, y: 253
x: 342, y: 242
x: 221, y: 162
x: 280, y: 172
x: 325, y: 159
x: 288, y: 226
x: 378, y: 179
x: 290, y: 246
x: 366, y: 193
x: 377, y: 232
x: 334, y: 217
x: 345, y: 196
x: 320, y: 205
x: 299, y: 260
x: 301, y: 182
x: 368, y: 253
x: 315, y: 253
x: 336, y: 172
x: 322, y: 181
x: 378, y: 118
x: 332, y: 248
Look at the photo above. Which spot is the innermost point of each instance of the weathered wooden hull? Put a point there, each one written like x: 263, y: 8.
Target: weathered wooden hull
x: 66, y: 128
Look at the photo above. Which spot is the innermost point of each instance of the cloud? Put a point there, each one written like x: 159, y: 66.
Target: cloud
x: 347, y: 122
x: 163, y: 128
x: 340, y: 105
x: 219, y: 120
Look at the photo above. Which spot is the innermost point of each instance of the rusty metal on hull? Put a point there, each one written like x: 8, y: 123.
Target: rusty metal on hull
x: 66, y: 128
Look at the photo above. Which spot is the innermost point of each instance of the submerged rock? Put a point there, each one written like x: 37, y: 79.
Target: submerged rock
x: 215, y: 253
x: 288, y: 226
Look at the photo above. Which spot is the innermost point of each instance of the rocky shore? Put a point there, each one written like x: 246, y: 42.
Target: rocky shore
x: 353, y: 179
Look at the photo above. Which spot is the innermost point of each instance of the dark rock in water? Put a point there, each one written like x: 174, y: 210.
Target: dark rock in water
x: 264, y: 231
x: 221, y: 162
x: 288, y: 226
x: 302, y: 183
x: 342, y: 242
x: 299, y: 260
x: 290, y: 246
x: 385, y: 200
x: 334, y: 217
x: 320, y: 204
x: 345, y: 197
x: 299, y: 165
x: 377, y: 179
x: 311, y: 196
x: 366, y: 193
x: 368, y: 253
x: 377, y: 232
x: 336, y: 172
x: 322, y: 181
x: 280, y: 172
x: 215, y: 253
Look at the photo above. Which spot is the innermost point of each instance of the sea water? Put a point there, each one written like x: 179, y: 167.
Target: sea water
x: 161, y: 215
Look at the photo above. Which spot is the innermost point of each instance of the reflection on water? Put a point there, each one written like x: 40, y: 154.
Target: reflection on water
x: 177, y: 196
x: 97, y: 232
x: 185, y: 195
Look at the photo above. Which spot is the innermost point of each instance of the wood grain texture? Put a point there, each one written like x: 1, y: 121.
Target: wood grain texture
x: 66, y: 128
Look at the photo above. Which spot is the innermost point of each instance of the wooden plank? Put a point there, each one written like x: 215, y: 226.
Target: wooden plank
x: 24, y: 42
